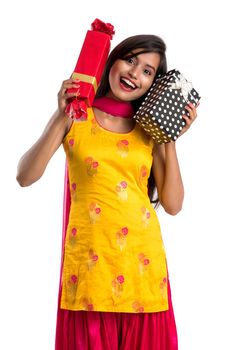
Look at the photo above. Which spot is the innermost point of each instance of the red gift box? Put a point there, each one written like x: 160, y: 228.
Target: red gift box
x: 89, y: 68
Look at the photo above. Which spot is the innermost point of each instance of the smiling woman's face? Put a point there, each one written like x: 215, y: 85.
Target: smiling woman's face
x: 131, y: 78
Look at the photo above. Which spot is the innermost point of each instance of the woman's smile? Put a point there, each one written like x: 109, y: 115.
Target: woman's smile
x: 127, y: 85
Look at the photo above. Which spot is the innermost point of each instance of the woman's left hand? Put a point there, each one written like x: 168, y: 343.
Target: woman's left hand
x: 192, y: 116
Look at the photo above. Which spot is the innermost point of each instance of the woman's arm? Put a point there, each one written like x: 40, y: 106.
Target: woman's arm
x: 167, y: 176
x: 166, y: 170
x: 33, y: 163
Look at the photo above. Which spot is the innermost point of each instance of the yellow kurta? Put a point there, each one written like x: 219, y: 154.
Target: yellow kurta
x: 114, y: 256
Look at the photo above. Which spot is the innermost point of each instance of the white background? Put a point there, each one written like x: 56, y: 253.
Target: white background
x: 40, y: 43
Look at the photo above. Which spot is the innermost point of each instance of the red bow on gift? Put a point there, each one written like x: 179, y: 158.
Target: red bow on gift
x: 103, y: 27
x: 76, y: 109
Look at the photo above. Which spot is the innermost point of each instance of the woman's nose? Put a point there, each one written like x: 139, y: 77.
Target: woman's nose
x: 133, y: 72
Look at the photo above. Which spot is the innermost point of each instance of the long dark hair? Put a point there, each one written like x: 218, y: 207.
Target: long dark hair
x: 148, y: 43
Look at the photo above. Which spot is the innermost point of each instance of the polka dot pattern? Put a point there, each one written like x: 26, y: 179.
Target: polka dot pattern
x: 160, y: 114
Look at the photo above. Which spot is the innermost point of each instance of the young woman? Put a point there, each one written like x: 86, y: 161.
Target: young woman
x: 115, y: 290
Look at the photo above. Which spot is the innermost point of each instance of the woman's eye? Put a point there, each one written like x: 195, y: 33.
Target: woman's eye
x: 146, y: 71
x: 130, y: 60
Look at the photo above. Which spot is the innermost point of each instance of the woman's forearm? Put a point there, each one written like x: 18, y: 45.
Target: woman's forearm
x: 173, y: 189
x: 33, y: 163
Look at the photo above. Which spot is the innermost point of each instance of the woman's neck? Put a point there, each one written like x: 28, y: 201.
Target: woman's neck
x: 113, y: 123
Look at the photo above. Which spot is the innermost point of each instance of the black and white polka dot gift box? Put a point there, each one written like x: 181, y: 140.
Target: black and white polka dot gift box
x: 160, y: 114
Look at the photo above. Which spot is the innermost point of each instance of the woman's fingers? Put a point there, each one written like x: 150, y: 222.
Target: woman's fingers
x: 189, y: 119
x: 71, y: 94
x: 71, y: 81
x: 69, y: 84
x: 192, y: 111
x: 64, y: 95
x: 63, y: 92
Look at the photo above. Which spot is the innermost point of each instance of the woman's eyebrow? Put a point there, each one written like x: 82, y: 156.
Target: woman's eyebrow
x: 148, y: 65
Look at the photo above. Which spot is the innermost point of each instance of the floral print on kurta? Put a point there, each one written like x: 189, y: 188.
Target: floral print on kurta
x: 163, y: 288
x: 143, y: 263
x: 137, y: 306
x: 87, y: 304
x: 72, y: 283
x: 145, y: 216
x: 121, y: 237
x: 121, y: 190
x: 94, y: 212
x: 123, y: 148
x: 72, y: 236
x: 114, y: 258
x: 118, y: 285
x: 70, y: 148
x: 73, y: 192
x: 92, y: 166
x: 143, y: 176
x: 92, y: 259
x: 94, y: 127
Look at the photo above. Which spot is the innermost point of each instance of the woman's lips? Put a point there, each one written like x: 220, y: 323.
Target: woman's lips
x: 125, y: 88
x: 127, y: 85
x: 128, y: 82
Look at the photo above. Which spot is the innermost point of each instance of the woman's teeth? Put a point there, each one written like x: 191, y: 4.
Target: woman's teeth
x: 128, y: 83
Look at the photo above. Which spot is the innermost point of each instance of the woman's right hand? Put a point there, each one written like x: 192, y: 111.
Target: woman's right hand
x: 64, y: 96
